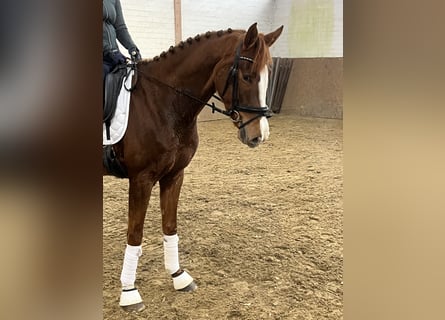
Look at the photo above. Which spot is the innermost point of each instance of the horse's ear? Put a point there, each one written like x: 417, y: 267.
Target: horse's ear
x: 251, y: 36
x: 270, y: 38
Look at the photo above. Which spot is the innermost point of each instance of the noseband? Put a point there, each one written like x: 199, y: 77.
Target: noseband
x: 236, y: 108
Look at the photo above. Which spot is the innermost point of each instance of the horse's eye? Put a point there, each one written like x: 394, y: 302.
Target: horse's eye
x: 247, y: 78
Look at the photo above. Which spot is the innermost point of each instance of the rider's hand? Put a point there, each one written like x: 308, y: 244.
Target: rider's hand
x: 134, y: 54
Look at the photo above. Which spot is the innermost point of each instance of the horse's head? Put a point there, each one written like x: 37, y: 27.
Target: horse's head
x: 241, y: 81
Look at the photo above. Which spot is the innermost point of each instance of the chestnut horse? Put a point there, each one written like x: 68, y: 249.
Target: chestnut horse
x: 162, y: 137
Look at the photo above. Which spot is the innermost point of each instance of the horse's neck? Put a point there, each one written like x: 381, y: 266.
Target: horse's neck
x: 190, y: 68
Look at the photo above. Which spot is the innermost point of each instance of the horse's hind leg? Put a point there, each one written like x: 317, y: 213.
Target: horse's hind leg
x: 170, y: 188
x: 139, y: 195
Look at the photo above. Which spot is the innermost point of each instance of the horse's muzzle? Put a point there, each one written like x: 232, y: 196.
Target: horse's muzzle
x: 252, y: 143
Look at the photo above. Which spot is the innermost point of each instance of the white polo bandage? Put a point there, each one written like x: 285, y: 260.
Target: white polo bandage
x: 171, y: 257
x: 128, y: 275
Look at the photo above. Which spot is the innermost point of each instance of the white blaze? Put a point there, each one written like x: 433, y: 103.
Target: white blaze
x: 262, y: 89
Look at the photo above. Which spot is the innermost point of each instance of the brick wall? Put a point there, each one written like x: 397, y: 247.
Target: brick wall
x: 202, y: 16
x: 151, y: 24
x: 313, y: 29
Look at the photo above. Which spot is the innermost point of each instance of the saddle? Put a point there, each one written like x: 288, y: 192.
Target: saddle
x: 112, y: 87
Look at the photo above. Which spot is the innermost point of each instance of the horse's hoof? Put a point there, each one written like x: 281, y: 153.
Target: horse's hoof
x: 131, y: 300
x: 190, y: 288
x: 184, y: 282
x: 134, y: 307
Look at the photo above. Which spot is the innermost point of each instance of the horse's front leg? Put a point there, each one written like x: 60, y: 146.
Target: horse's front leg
x: 170, y: 188
x: 139, y: 195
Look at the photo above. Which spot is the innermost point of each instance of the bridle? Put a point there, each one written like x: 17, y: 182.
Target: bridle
x: 236, y: 108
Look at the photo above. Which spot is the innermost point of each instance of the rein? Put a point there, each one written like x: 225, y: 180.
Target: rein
x: 184, y: 93
x: 234, y: 111
x: 133, y: 67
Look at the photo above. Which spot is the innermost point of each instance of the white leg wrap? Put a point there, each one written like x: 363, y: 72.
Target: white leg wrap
x: 129, y: 298
x: 128, y: 275
x: 182, y: 281
x: 171, y: 257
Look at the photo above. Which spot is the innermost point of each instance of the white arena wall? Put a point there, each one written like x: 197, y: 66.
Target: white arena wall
x: 151, y: 25
x: 312, y: 36
x: 312, y: 28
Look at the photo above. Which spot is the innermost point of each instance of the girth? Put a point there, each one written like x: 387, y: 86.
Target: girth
x: 112, y: 163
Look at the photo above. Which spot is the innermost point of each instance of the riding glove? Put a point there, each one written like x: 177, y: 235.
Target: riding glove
x: 134, y: 54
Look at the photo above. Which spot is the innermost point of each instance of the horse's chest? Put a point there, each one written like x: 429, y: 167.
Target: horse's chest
x: 187, y: 145
x: 185, y: 154
x: 177, y: 157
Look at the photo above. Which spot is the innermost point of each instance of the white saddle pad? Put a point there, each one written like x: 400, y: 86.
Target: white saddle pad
x: 120, y: 120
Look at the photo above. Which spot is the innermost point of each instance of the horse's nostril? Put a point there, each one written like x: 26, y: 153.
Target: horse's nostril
x: 255, y: 141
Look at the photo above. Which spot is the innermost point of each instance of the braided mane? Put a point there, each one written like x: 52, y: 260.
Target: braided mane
x: 261, y: 58
x: 190, y: 41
